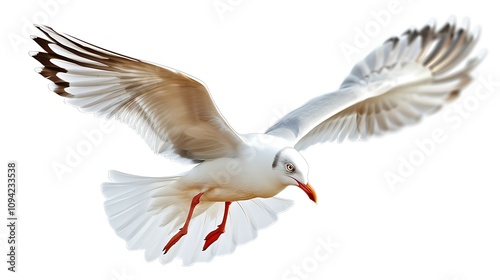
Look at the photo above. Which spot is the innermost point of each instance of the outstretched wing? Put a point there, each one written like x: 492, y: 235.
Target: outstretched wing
x: 170, y: 110
x: 401, y: 81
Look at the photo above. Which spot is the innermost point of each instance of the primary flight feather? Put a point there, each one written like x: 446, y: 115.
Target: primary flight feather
x: 230, y: 194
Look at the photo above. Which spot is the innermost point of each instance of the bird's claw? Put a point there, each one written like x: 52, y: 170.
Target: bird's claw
x: 212, y: 237
x: 174, y: 240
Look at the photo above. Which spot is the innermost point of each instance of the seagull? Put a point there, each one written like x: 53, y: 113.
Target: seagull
x: 230, y: 193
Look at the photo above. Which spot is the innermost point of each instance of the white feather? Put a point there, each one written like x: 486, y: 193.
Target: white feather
x: 132, y: 207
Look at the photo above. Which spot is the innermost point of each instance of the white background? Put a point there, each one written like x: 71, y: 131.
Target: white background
x: 260, y: 60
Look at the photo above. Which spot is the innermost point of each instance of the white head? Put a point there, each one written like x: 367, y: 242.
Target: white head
x: 292, y: 169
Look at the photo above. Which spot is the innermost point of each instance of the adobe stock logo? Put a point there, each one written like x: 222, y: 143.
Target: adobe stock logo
x: 363, y: 36
x: 324, y: 250
x: 47, y: 9
x: 453, y: 116
x: 75, y: 154
x: 222, y: 7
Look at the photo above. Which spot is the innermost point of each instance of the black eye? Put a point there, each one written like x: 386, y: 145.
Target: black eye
x: 289, y: 167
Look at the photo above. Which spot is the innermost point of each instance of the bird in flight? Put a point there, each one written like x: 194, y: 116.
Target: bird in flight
x: 230, y: 193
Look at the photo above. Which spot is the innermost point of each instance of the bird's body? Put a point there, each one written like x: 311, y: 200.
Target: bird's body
x: 244, y: 176
x: 230, y: 194
x: 241, y: 177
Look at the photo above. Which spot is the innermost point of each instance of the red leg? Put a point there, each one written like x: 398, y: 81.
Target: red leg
x: 214, y: 235
x: 183, y: 230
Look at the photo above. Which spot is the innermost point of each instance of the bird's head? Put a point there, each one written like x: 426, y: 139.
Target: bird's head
x: 292, y: 169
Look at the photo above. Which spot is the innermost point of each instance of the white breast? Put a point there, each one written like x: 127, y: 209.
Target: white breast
x: 245, y: 177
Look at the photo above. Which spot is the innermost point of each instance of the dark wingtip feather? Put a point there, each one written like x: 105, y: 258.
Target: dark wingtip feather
x: 42, y: 43
x: 44, y: 59
x: 60, y: 89
x: 452, y: 96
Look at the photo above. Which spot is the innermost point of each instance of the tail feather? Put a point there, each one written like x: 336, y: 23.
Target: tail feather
x: 128, y: 207
x: 146, y: 212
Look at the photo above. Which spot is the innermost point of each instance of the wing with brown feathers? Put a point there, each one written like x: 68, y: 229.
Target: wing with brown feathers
x: 170, y: 110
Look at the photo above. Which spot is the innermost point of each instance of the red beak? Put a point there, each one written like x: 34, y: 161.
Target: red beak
x: 308, y: 190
